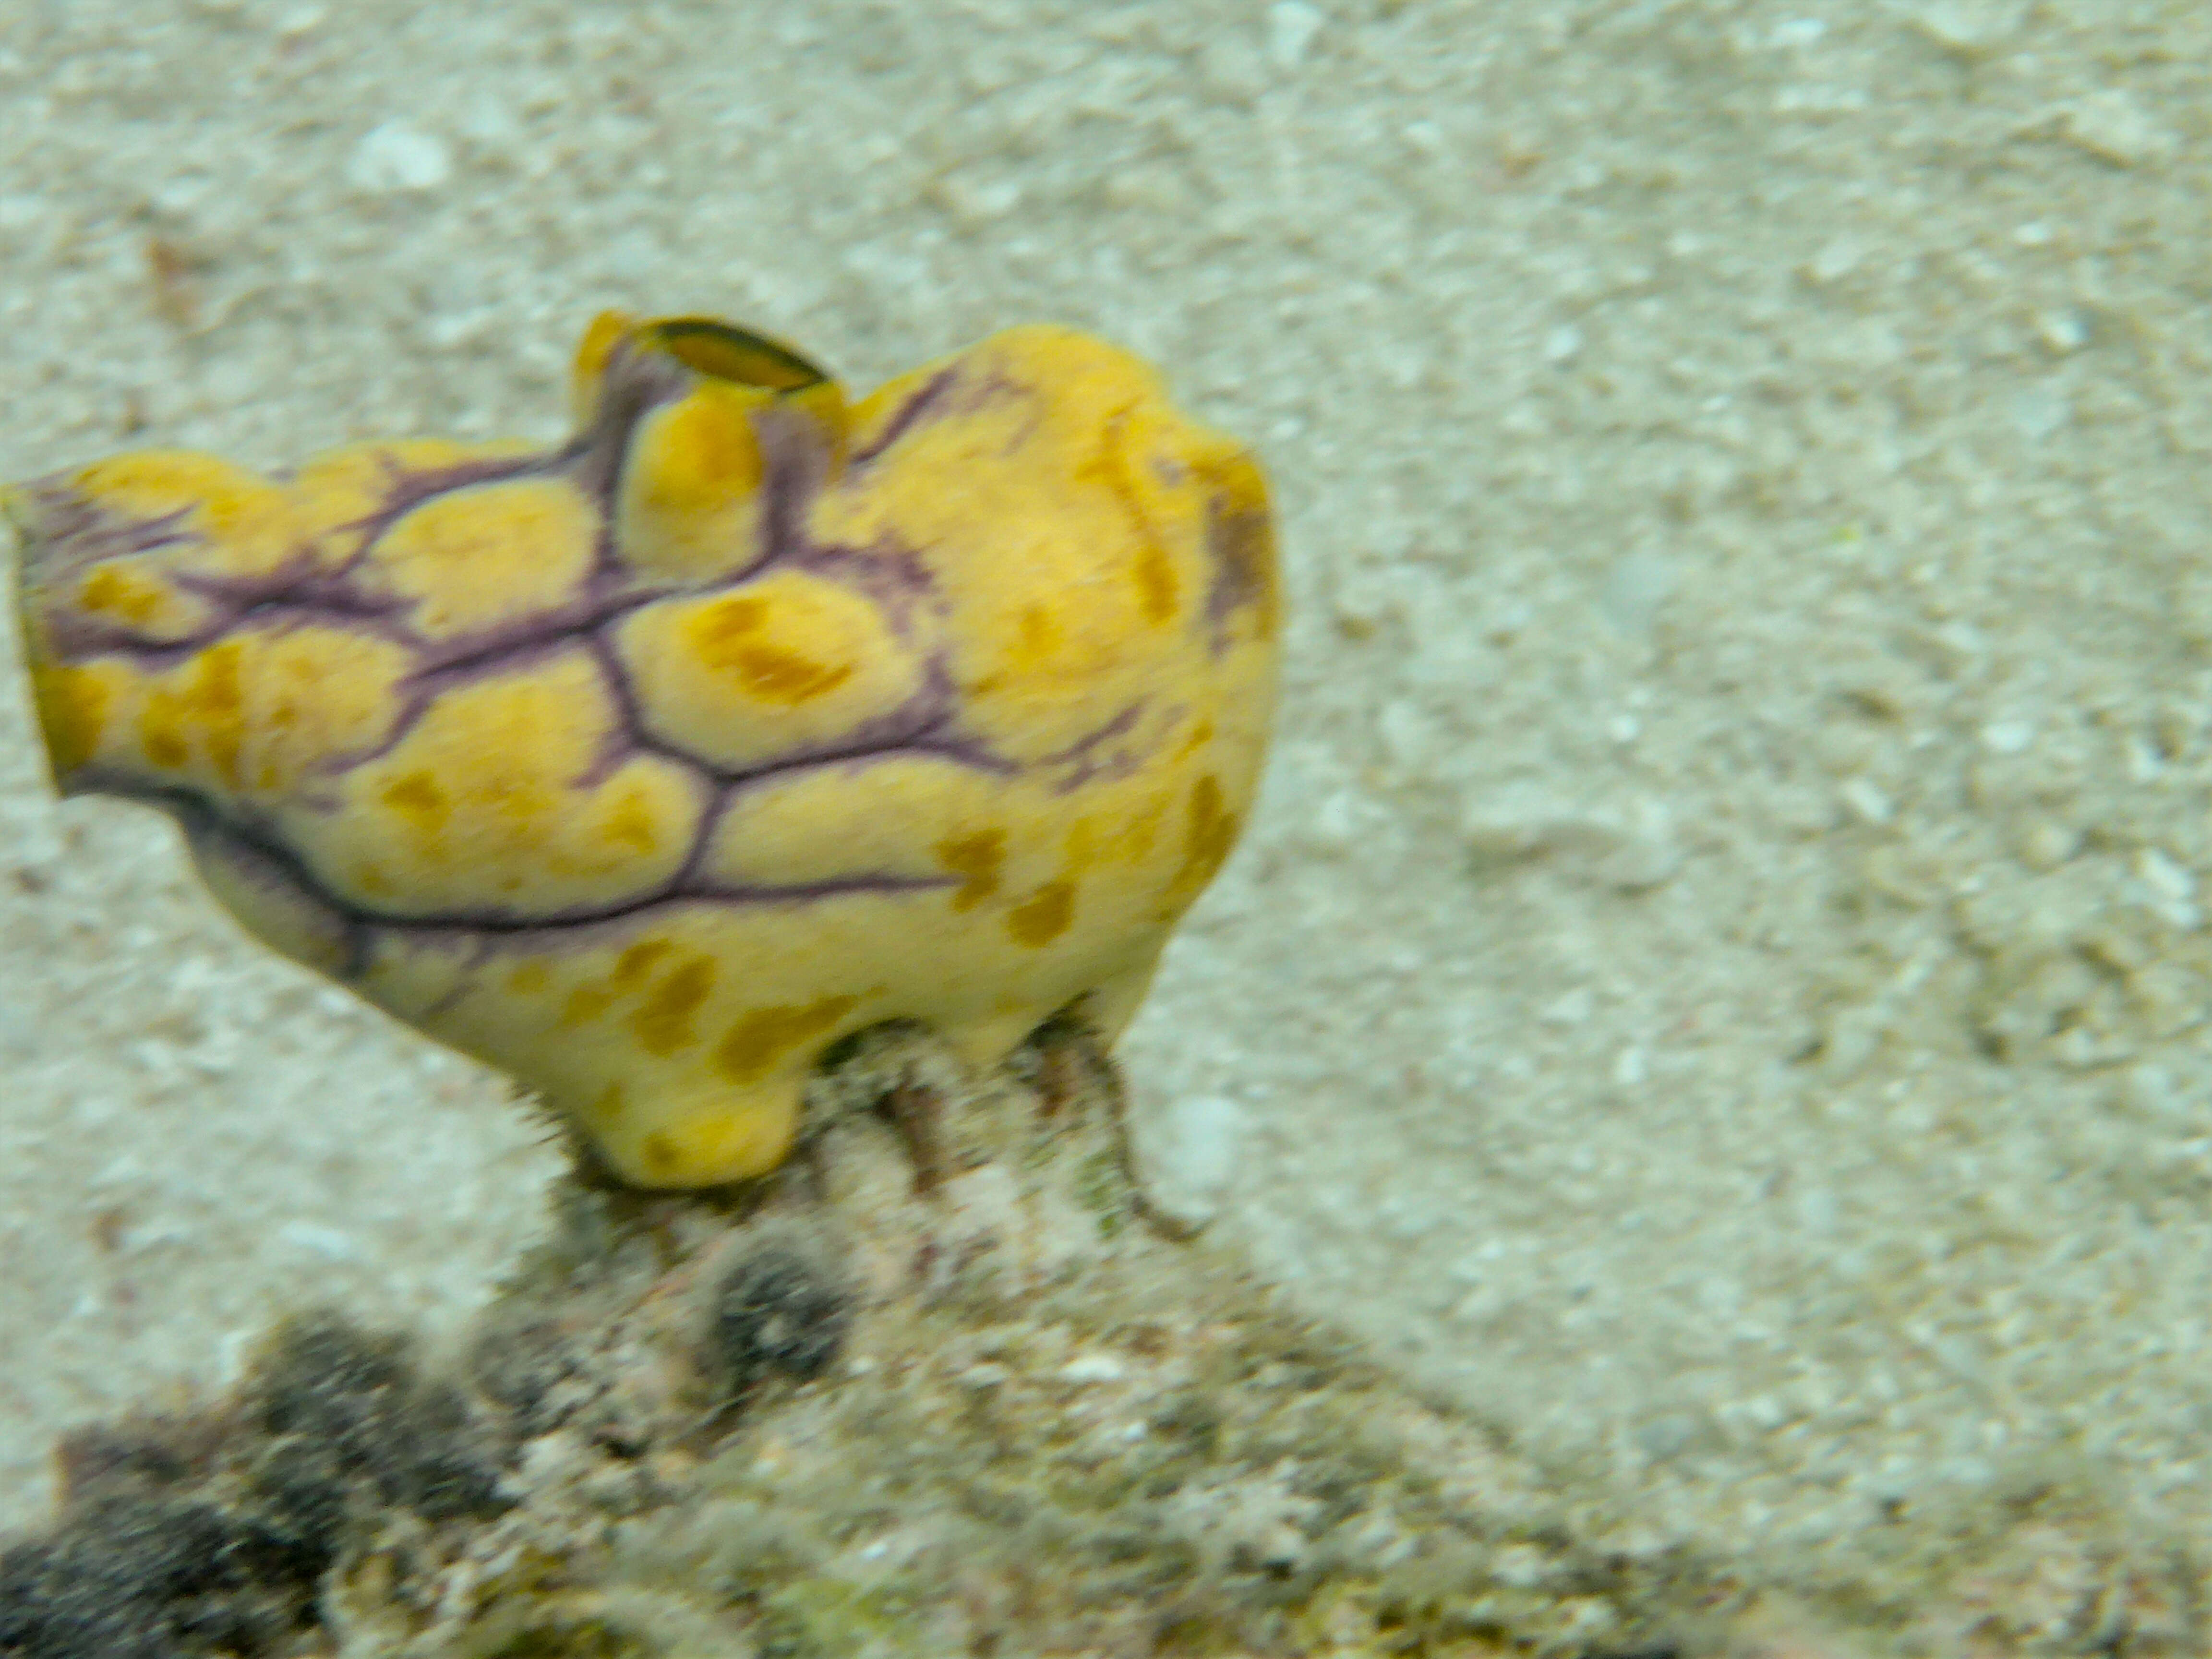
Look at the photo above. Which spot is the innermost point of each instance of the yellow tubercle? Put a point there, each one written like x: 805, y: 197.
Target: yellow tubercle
x: 473, y: 557
x: 242, y: 522
x: 588, y: 368
x: 74, y: 706
x: 712, y: 1143
x: 690, y: 497
x: 785, y: 661
x: 481, y: 807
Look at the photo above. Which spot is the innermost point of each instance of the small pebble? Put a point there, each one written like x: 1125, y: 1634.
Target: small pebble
x: 1966, y: 29
x: 328, y: 1242
x: 1409, y: 736
x: 978, y: 201
x: 1838, y: 258
x: 2063, y: 331
x: 1291, y: 26
x: 1868, y: 801
x: 2113, y: 127
x: 394, y: 158
x: 1091, y: 1368
x: 1636, y: 588
x: 2170, y: 890
x: 2045, y: 845
x: 1188, y: 1158
x: 1572, y: 1008
x: 2039, y: 412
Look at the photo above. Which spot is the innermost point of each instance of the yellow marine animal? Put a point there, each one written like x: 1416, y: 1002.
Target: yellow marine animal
x: 647, y: 767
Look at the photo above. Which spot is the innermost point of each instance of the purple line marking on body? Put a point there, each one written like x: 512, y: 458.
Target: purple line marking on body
x: 1082, y: 755
x: 890, y: 575
x: 632, y: 385
x: 908, y: 414
x: 75, y: 643
x: 246, y: 842
x: 1235, y: 546
x: 77, y: 533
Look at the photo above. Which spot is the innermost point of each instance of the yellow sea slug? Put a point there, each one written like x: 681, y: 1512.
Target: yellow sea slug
x: 647, y: 767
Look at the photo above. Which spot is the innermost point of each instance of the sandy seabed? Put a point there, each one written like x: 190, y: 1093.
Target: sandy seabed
x: 1719, y: 983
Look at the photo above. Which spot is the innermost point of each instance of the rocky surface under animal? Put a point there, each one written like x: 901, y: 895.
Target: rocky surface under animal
x: 944, y: 1386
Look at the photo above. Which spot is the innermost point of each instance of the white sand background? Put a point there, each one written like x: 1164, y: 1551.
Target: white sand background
x: 1719, y: 983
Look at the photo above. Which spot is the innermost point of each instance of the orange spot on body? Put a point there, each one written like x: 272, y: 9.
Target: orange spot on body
x: 224, y: 515
x: 1152, y: 570
x: 1082, y: 848
x: 612, y: 1103
x: 205, y: 709
x: 1040, y: 635
x: 417, y: 799
x: 634, y: 965
x: 110, y: 593
x: 977, y: 859
x: 726, y: 638
x: 1036, y: 640
x: 528, y: 978
x: 586, y: 1004
x: 1211, y: 832
x: 702, y: 450
x: 165, y: 744
x: 630, y: 823
x: 1043, y: 916
x: 663, y: 1024
x: 217, y: 697
x: 1156, y: 582
x: 632, y: 969
x: 72, y: 709
x: 758, y: 1040
x: 1140, y: 829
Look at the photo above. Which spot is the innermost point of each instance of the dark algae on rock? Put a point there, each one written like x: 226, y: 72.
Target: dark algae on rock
x: 777, y: 1310
x: 213, y: 1533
